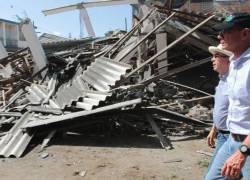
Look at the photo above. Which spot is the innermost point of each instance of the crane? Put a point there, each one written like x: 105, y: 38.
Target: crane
x: 83, y: 14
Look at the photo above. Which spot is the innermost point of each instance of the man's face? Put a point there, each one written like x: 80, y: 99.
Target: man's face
x: 229, y: 39
x: 220, y: 63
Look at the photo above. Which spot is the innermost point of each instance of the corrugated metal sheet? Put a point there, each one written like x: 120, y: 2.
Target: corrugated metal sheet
x: 38, y: 93
x: 104, y: 73
x: 51, y: 38
x: 79, y: 92
x: 101, y: 74
x: 16, y: 140
x: 48, y: 43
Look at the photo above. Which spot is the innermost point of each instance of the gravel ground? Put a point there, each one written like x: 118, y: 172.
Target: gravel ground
x: 74, y: 157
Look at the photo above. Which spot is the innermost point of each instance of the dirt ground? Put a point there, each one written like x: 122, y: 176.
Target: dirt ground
x: 76, y: 157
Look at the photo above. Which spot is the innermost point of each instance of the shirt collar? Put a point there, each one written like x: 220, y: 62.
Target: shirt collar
x: 223, y: 76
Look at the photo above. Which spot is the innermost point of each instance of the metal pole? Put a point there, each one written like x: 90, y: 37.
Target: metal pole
x: 126, y: 25
x: 3, y: 97
x: 188, y: 87
x: 184, y: 101
x: 178, y: 116
x: 145, y: 37
x: 128, y: 34
x: 169, y: 46
x: 164, y: 140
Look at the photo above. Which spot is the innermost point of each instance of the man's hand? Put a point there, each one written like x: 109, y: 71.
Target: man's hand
x: 211, y: 137
x: 233, y: 165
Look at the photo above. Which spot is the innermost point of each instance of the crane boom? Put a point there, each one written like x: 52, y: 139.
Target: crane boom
x: 84, y: 17
x: 88, y: 5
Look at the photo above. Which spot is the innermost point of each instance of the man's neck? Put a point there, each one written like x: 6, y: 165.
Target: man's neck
x: 240, y: 50
x: 223, y: 75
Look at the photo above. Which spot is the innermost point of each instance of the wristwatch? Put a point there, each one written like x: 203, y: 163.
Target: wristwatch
x: 244, y: 149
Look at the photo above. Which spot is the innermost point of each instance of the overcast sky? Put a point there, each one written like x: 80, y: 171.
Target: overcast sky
x: 103, y: 18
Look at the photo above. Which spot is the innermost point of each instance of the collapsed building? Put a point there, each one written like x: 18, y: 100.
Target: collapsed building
x: 155, y: 78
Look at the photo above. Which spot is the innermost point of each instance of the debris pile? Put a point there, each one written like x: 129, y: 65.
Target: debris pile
x: 111, y: 81
x: 15, y: 72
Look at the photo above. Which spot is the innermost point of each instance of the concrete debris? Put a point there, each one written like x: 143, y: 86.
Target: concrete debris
x: 39, y: 57
x: 44, y: 155
x: 80, y: 173
x: 117, y: 82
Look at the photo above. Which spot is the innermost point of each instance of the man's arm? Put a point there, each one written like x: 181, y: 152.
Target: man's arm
x: 233, y: 164
x: 211, y: 137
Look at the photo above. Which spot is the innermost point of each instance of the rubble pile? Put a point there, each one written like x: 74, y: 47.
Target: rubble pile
x: 111, y: 81
x: 15, y: 73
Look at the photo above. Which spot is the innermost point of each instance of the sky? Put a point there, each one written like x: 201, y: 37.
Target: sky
x: 103, y: 19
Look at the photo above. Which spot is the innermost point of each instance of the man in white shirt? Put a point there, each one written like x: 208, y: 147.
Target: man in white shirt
x: 233, y: 158
x: 219, y: 131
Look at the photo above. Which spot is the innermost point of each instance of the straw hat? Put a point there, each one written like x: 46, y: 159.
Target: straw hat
x: 218, y: 49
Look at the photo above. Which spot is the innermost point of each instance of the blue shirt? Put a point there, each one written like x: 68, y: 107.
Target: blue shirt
x: 221, y: 104
x: 239, y: 94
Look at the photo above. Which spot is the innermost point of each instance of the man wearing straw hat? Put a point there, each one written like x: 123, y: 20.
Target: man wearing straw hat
x: 221, y: 63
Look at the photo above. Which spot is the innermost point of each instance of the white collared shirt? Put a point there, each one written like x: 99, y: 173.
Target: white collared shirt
x: 221, y: 104
x: 238, y: 120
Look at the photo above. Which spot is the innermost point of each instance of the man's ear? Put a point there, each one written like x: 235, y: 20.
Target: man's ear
x: 245, y: 34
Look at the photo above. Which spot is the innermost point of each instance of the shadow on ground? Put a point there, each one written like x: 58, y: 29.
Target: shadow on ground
x: 136, y: 141
x: 115, y: 138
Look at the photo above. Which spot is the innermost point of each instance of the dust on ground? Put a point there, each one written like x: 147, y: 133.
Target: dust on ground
x: 77, y: 157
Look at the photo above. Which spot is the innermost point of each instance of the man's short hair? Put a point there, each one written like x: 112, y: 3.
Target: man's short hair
x: 241, y: 20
